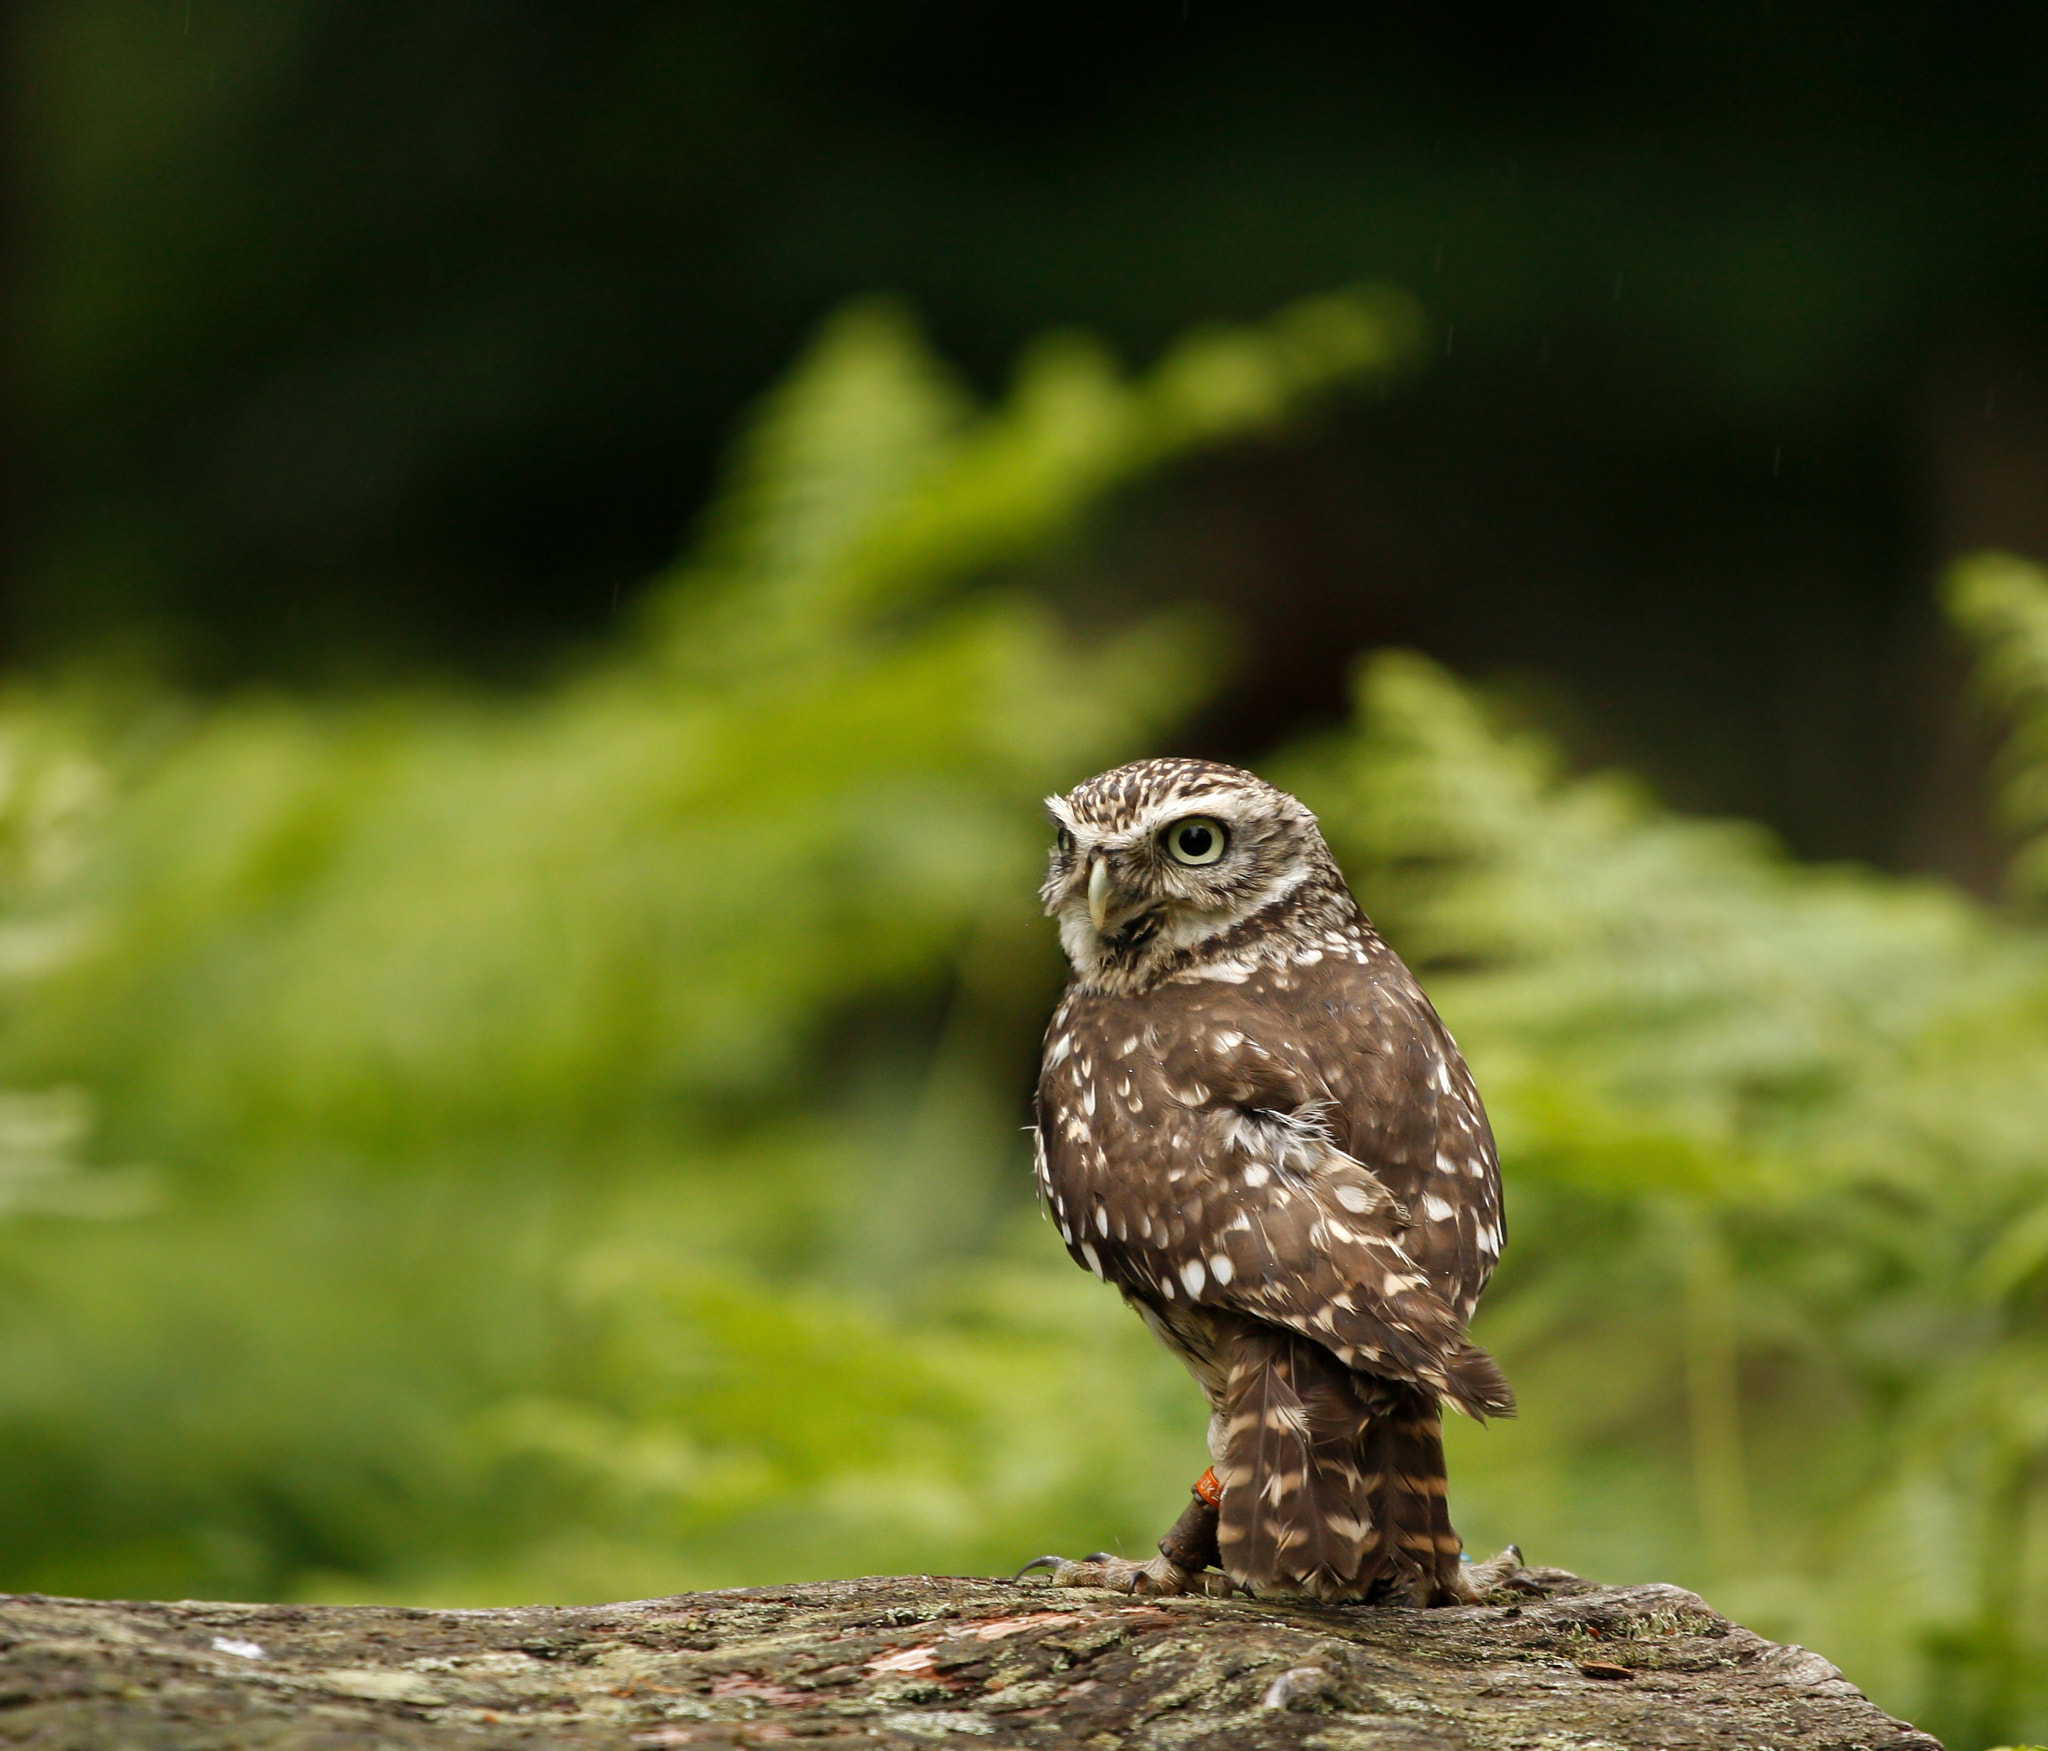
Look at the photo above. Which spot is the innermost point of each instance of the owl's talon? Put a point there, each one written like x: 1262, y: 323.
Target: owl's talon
x: 1159, y: 1578
x: 1500, y: 1573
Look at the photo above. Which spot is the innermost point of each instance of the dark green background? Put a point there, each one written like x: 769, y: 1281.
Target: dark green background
x: 402, y: 334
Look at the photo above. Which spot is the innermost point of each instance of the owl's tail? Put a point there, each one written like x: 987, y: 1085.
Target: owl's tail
x: 1333, y: 1482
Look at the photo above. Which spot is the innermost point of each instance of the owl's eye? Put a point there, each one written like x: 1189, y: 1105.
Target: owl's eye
x: 1195, y: 840
x: 1065, y: 841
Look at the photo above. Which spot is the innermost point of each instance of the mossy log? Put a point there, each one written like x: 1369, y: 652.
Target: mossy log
x: 922, y: 1660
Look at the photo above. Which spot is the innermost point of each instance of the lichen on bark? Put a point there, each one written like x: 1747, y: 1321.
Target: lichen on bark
x: 923, y: 1660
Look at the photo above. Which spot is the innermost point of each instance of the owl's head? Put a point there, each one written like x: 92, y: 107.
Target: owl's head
x: 1155, y: 861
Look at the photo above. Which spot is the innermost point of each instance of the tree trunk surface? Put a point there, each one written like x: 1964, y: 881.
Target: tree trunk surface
x: 922, y: 1660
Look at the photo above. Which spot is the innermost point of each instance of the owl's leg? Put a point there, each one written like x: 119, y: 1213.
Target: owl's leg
x: 1186, y: 1562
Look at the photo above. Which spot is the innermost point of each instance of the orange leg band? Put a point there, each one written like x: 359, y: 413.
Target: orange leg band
x: 1208, y: 1488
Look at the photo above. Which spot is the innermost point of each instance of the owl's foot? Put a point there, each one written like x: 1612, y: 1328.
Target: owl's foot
x: 1188, y: 1560
x: 1499, y: 1575
x: 1160, y: 1577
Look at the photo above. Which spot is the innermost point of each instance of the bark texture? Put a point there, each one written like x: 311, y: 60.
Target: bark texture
x: 925, y: 1660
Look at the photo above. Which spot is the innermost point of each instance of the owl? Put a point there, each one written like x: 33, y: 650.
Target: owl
x: 1252, y: 1123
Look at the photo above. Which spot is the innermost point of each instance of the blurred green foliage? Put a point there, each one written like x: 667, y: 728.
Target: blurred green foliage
x: 470, y: 1149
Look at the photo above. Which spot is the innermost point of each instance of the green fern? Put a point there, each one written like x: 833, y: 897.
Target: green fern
x: 498, y: 1057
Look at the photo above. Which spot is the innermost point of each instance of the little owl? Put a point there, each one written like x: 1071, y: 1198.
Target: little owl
x: 1251, y: 1121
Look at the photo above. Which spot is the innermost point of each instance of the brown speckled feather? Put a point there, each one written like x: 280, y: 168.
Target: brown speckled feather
x: 1200, y: 1142
x: 1298, y: 1515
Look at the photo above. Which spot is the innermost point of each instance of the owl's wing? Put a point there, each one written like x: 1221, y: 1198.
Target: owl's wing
x: 1190, y: 1152
x: 1401, y: 1101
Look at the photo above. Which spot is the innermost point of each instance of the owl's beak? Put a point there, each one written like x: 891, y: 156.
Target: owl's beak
x: 1098, y: 893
